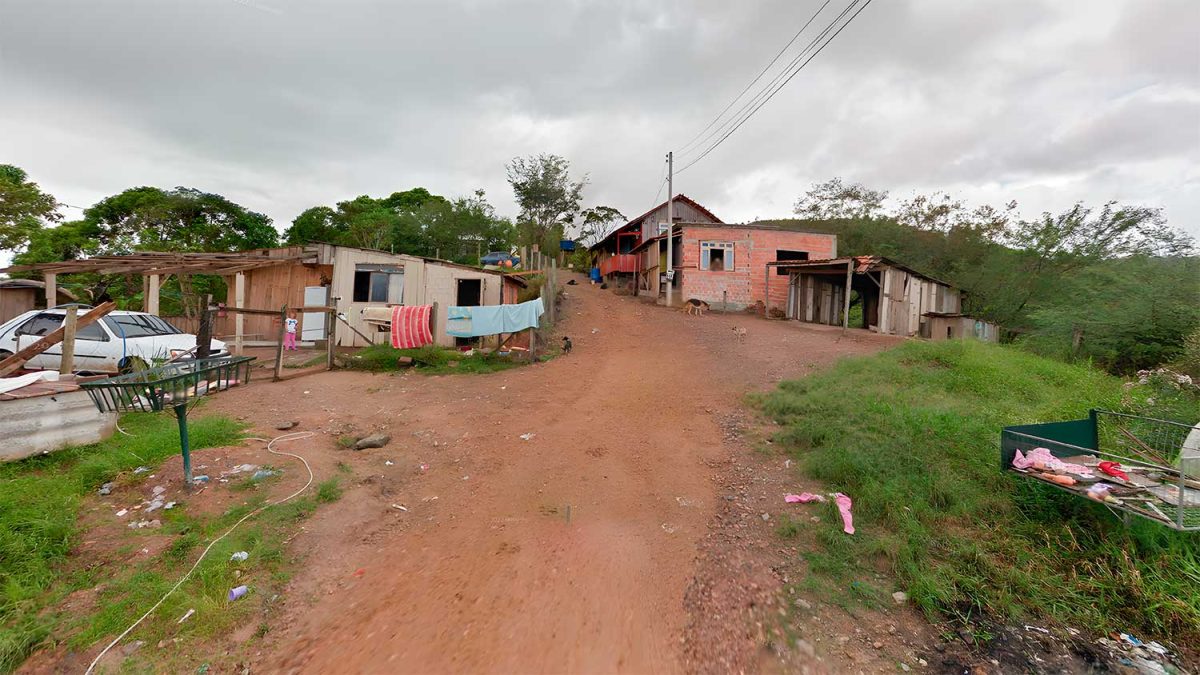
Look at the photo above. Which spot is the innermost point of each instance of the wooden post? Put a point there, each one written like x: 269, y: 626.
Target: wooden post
x: 51, y: 280
x: 767, y: 292
x: 330, y: 338
x: 846, y: 303
x: 151, y: 299
x: 239, y: 321
x: 68, y: 349
x: 279, y: 344
x: 204, y: 334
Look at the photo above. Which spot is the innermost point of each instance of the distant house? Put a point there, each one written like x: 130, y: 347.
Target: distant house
x: 725, y: 265
x: 895, y: 299
x: 18, y: 296
x: 614, y: 254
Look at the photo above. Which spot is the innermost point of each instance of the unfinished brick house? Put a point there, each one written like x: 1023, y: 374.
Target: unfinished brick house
x: 725, y: 264
x: 613, y: 254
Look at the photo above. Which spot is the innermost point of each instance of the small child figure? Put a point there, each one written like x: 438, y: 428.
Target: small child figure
x: 289, y: 332
x: 566, y: 345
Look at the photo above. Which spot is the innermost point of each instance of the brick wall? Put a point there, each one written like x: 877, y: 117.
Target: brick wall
x: 752, y: 250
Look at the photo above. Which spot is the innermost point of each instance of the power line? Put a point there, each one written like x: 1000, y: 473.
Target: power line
x: 754, y: 100
x: 758, y: 77
x: 793, y: 73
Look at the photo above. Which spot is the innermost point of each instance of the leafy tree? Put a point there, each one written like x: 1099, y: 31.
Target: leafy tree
x: 183, y: 219
x: 464, y: 228
x: 412, y: 200
x: 597, y: 222
x: 547, y: 196
x: 316, y: 224
x: 835, y: 199
x: 23, y: 208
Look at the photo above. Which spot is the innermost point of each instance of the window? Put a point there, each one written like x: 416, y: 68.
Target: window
x: 716, y: 256
x: 138, y: 325
x: 788, y: 256
x: 379, y: 283
x: 40, y: 325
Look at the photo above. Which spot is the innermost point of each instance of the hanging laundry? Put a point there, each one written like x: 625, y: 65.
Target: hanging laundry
x: 493, y: 319
x: 410, y: 326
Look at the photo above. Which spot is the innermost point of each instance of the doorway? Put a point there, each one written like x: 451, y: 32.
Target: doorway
x: 469, y: 293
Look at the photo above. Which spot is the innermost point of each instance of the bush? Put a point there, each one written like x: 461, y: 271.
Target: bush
x: 430, y: 359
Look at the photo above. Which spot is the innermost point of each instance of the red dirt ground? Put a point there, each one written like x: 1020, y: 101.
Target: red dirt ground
x: 571, y: 551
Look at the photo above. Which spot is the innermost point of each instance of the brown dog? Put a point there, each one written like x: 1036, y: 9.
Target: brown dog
x: 694, y: 306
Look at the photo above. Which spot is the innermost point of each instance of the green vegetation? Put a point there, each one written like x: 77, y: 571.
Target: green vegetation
x: 432, y: 360
x: 1113, y: 285
x: 39, y: 503
x: 329, y: 491
x: 912, y: 436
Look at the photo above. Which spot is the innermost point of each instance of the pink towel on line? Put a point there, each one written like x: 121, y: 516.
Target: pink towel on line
x: 410, y: 326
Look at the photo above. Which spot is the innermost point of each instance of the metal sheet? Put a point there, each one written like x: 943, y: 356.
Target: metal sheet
x: 42, y: 424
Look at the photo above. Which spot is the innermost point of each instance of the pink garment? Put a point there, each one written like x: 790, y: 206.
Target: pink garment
x: 843, y: 504
x: 1049, y: 462
x: 411, y: 326
x: 803, y: 498
x: 289, y: 341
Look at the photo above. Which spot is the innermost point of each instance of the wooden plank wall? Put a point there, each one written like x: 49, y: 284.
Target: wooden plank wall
x: 273, y: 287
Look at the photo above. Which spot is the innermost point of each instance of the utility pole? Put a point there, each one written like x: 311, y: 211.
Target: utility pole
x: 670, y: 227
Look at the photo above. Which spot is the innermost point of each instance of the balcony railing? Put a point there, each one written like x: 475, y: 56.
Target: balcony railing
x: 625, y: 262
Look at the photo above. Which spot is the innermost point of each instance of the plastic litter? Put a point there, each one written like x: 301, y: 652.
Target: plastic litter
x: 240, y: 556
x: 141, y: 469
x: 263, y: 474
x: 388, y: 462
x: 238, y: 592
x: 105, y: 489
x: 122, y: 512
x: 526, y: 437
x: 186, y: 616
x: 1131, y: 640
x: 1157, y: 648
x: 803, y: 498
x: 200, y: 479
x: 400, y: 507
x: 168, y: 506
x: 158, y: 489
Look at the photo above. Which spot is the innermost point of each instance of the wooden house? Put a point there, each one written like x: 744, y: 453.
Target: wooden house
x: 614, y: 254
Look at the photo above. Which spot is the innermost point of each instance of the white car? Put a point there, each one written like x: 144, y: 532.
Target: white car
x: 117, y: 343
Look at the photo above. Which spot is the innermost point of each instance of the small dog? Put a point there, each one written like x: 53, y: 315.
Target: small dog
x: 694, y: 306
x: 739, y: 333
x: 566, y: 345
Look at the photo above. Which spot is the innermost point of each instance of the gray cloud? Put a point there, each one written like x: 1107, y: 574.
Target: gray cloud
x: 281, y: 105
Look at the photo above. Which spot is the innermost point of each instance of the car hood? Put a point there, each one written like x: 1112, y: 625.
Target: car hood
x: 151, y: 347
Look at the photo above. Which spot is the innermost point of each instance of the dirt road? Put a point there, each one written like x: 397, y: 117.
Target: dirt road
x: 466, y: 548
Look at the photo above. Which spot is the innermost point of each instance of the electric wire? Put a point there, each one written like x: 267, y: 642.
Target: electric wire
x: 776, y: 90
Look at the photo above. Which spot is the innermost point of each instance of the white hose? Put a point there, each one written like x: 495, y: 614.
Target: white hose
x: 295, y: 436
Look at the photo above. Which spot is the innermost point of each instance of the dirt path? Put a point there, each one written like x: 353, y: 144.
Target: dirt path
x: 570, y: 551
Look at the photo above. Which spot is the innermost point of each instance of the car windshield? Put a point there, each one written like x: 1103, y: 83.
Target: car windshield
x: 139, y: 325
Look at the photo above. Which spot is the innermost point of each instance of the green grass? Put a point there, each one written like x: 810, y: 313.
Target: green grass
x: 39, y: 503
x: 329, y: 491
x: 912, y: 436
x: 432, y: 360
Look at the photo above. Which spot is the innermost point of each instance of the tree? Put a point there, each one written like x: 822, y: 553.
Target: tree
x: 597, y: 222
x: 23, y: 208
x: 835, y: 199
x: 411, y: 200
x: 318, y: 223
x: 547, y: 196
x: 183, y: 219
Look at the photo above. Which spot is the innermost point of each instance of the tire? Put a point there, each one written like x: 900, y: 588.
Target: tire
x: 131, y: 364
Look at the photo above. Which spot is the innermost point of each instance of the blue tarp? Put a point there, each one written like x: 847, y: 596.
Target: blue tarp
x: 566, y: 245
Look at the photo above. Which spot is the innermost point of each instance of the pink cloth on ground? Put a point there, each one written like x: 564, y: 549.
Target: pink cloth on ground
x: 1051, y: 462
x: 803, y: 498
x: 844, y: 504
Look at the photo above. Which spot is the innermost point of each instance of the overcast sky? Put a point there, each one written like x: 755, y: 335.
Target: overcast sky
x: 285, y: 104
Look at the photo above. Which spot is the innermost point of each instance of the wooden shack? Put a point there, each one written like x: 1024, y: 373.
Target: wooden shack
x: 18, y: 296
x: 954, y: 326
x: 895, y: 299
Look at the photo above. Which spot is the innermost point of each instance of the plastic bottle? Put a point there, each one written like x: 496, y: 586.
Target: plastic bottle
x: 235, y: 593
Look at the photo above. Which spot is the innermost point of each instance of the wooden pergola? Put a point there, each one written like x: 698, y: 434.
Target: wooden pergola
x: 154, y: 267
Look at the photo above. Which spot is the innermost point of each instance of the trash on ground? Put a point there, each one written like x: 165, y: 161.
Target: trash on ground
x: 1131, y: 640
x: 1040, y: 630
x: 122, y: 512
x: 844, y: 504
x: 803, y: 498
x: 168, y: 506
x: 105, y: 489
x: 900, y: 597
x: 141, y: 469
x: 158, y: 489
x: 263, y: 474
x: 400, y: 507
x: 358, y: 573
x: 200, y: 479
x: 240, y: 556
x: 237, y: 592
x: 526, y: 437
x: 186, y: 616
x: 388, y: 462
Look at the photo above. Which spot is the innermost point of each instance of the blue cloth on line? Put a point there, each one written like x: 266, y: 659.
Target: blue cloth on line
x: 493, y: 319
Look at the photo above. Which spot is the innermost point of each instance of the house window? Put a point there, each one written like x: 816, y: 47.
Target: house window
x: 788, y: 256
x: 716, y: 256
x: 379, y: 283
